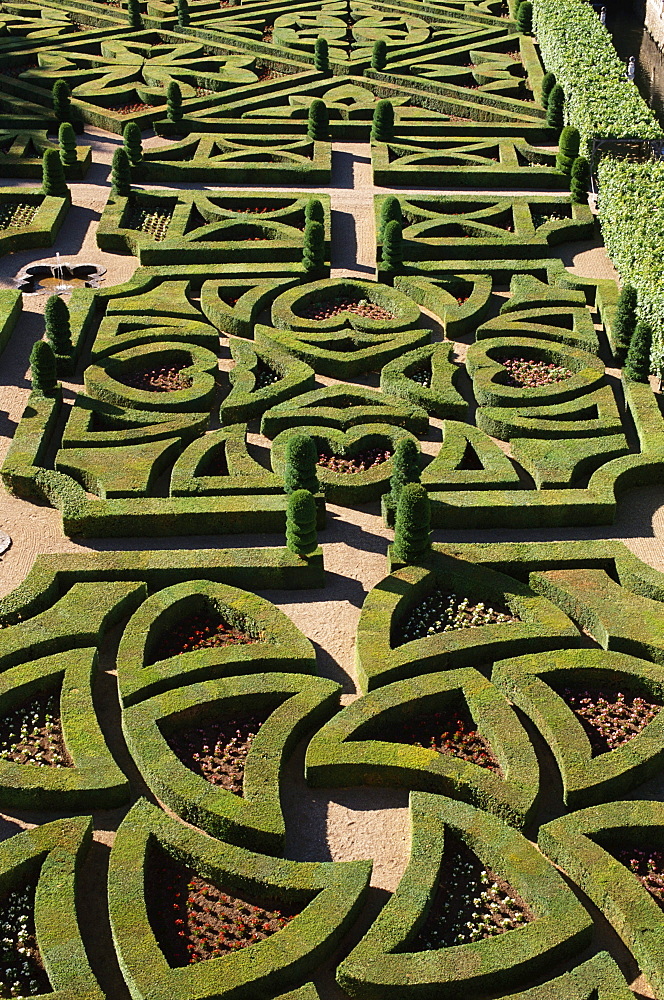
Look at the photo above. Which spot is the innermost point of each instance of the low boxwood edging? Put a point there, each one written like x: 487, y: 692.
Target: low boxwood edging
x: 45, y: 224
x: 440, y: 398
x: 246, y: 400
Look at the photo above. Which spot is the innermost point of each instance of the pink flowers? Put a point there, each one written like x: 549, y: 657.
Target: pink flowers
x: 452, y: 732
x: 327, y: 308
x: 533, y: 374
x: 612, y: 718
x: 165, y: 379
x: 360, y: 463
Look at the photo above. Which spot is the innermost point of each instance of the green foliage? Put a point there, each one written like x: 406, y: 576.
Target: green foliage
x: 405, y: 467
x: 43, y: 369
x: 322, y: 55
x: 58, y: 329
x: 568, y: 149
x: 121, y: 173
x: 313, y: 251
x: 301, y: 535
x: 382, y: 125
x: 174, y: 102
x: 67, y: 141
x: 133, y: 143
x: 301, y: 462
x: 53, y: 175
x: 637, y: 365
x: 548, y: 83
x: 390, y: 212
x: 412, y: 535
x: 318, y: 122
x: 379, y: 54
x: 61, y: 100
x: 578, y: 49
x: 392, y: 246
x: 555, y: 108
x: 625, y: 323
x: 134, y: 11
x: 524, y: 17
x: 184, y: 18
x: 313, y: 211
x: 580, y: 181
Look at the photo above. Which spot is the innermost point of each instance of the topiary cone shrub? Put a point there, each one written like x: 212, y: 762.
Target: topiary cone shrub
x: 43, y: 370
x: 53, y: 175
x: 405, y: 468
x: 555, y: 108
x: 133, y: 143
x: 548, y: 83
x: 637, y: 365
x: 318, y: 122
x: 625, y: 323
x: 390, y: 211
x: 67, y: 141
x: 121, y: 173
x: 322, y: 55
x: 174, y: 102
x: 313, y: 211
x: 382, y: 125
x: 392, y: 255
x: 61, y: 100
x: 58, y: 329
x: 134, y: 11
x: 412, y: 534
x: 524, y: 17
x: 301, y: 462
x: 568, y: 149
x: 313, y: 253
x: 580, y: 181
x: 379, y: 54
x: 184, y: 18
x: 301, y: 535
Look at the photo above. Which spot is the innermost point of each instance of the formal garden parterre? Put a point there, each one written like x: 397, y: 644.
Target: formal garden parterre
x: 158, y: 708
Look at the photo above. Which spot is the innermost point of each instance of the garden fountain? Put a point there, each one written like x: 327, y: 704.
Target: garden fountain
x: 60, y: 277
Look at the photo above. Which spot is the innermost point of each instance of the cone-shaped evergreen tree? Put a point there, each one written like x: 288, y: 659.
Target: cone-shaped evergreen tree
x: 183, y: 13
x: 313, y: 252
x: 390, y: 211
x: 382, y: 126
x: 412, y: 524
x: 392, y: 257
x: 134, y: 11
x: 318, y: 122
x: 174, y: 102
x: 637, y: 365
x: 301, y: 536
x: 133, y: 143
x: 67, y: 141
x: 555, y: 108
x: 61, y: 100
x: 53, y: 175
x: 121, y: 173
x: 405, y: 467
x: 524, y: 17
x: 580, y: 181
x: 322, y: 55
x: 548, y: 83
x: 313, y: 211
x: 625, y: 323
x: 568, y: 149
x: 301, y: 462
x: 58, y: 330
x: 379, y: 54
x: 43, y: 368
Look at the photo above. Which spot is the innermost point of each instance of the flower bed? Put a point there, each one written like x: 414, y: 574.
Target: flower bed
x: 471, y: 902
x: 194, y: 920
x: 218, y: 750
x: 165, y: 379
x: 648, y: 866
x: 422, y: 375
x: 265, y: 375
x: 327, y: 308
x: 131, y: 109
x: 32, y: 734
x: 17, y: 216
x: 609, y: 717
x: 451, y: 731
x: 21, y: 970
x: 364, y: 460
x: 532, y: 374
x: 153, y: 223
x: 442, y: 611
x: 205, y: 631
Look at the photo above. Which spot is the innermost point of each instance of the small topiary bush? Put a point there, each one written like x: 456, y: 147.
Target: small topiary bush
x: 379, y: 54
x: 43, y: 369
x: 524, y: 17
x: 121, y: 173
x: 301, y: 458
x: 133, y: 143
x: 580, y: 181
x: 301, y: 536
x: 134, y: 11
x: 313, y: 254
x: 548, y: 83
x: 392, y: 246
x: 67, y: 141
x: 405, y: 466
x: 390, y: 212
x: 382, y: 126
x: 625, y: 323
x: 183, y: 13
x: 313, y: 211
x: 322, y: 55
x: 412, y: 535
x: 568, y: 149
x: 53, y: 175
x: 318, y: 122
x: 58, y: 329
x: 637, y: 365
x: 555, y: 108
x: 174, y: 102
x: 61, y: 100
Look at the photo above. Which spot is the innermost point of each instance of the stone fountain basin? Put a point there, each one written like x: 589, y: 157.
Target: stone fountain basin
x: 41, y: 277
